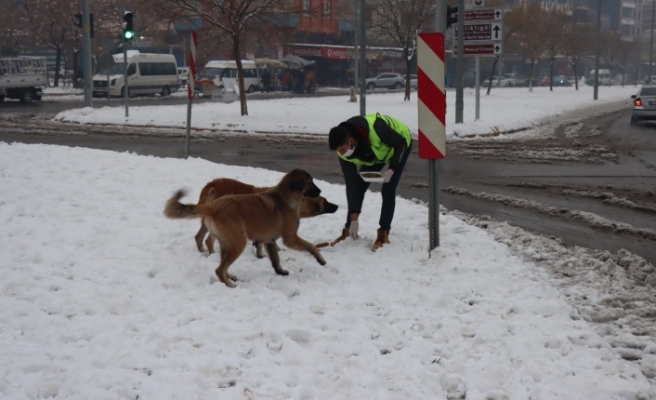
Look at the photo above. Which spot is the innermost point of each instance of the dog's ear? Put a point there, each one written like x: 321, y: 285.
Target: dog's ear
x: 297, y: 184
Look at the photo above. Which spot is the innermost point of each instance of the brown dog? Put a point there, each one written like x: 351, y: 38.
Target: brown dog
x: 310, y: 207
x: 261, y: 217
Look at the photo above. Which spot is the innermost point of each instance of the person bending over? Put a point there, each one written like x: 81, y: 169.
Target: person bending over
x: 369, y: 143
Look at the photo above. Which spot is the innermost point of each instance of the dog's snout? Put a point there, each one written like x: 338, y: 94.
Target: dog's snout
x: 330, y: 208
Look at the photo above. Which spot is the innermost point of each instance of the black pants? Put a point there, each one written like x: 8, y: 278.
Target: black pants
x: 356, y: 189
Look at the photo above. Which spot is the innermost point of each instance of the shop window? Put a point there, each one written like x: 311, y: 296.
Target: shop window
x: 306, y: 7
x: 326, y: 8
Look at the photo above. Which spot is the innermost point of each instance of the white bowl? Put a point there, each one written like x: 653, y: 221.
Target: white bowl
x: 378, y: 178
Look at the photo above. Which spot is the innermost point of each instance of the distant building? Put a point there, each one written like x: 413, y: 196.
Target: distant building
x: 646, y: 22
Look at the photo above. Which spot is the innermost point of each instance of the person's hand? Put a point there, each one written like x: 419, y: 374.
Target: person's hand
x: 387, y: 175
x: 353, y: 230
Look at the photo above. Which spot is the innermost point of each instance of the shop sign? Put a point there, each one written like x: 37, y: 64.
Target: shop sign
x: 304, y: 51
x: 335, y: 53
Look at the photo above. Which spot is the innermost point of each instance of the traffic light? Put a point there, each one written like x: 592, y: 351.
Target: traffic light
x: 128, y: 26
x: 451, y: 15
x: 78, y: 22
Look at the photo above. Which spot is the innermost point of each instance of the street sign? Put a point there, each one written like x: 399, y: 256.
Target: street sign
x: 481, y: 49
x: 482, y: 31
x: 484, y: 14
x: 432, y: 96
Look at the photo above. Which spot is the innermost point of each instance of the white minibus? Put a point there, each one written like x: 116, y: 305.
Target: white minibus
x: 217, y: 69
x: 147, y: 74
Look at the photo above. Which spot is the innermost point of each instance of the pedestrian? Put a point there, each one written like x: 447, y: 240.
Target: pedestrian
x: 369, y: 143
x: 285, y: 81
x: 266, y: 81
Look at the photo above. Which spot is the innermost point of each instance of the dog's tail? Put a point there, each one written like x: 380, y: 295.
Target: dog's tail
x: 176, y: 210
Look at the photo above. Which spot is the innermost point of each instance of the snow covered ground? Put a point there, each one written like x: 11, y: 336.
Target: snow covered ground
x: 102, y: 297
x: 505, y: 110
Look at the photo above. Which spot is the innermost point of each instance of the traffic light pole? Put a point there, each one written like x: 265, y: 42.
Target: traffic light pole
x: 363, y: 59
x: 128, y: 35
x: 126, y: 89
x: 460, y: 63
x: 86, y: 45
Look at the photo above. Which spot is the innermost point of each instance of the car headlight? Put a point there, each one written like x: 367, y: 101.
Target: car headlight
x: 113, y: 81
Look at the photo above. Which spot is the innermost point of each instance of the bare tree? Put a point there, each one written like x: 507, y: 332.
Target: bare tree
x: 51, y: 23
x: 511, y: 25
x: 628, y: 51
x: 553, y: 28
x: 529, y: 40
x: 578, y: 41
x: 400, y: 21
x: 232, y: 17
x: 14, y: 31
x: 635, y: 58
x: 611, y: 44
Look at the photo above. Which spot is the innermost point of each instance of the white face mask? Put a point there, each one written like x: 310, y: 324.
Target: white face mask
x: 349, y: 152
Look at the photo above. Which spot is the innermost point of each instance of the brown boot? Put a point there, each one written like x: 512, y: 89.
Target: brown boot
x: 382, y: 238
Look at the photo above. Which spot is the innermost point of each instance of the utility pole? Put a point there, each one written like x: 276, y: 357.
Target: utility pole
x: 356, y: 53
x: 86, y: 55
x: 597, y: 47
x: 651, y: 42
x: 128, y: 35
x: 434, y: 164
x: 460, y: 63
x: 363, y: 58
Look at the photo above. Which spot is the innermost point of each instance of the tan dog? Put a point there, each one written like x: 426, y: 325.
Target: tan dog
x: 261, y: 217
x: 310, y: 207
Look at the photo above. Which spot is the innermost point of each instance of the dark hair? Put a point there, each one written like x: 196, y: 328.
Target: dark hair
x: 337, y: 136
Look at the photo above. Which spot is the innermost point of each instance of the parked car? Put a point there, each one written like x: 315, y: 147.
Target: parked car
x: 644, y: 105
x: 604, y: 77
x: 386, y: 80
x: 561, y: 80
x: 183, y: 76
x: 543, y: 81
x: 537, y: 81
x: 413, y: 81
x: 496, y: 82
x: 647, y: 80
x: 511, y: 77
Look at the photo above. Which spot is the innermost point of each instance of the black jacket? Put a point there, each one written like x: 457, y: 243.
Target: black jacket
x: 359, y: 128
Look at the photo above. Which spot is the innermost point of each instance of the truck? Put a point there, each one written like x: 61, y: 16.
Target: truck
x: 23, y: 78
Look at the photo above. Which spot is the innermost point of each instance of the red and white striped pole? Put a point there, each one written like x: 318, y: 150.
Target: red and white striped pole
x: 432, y: 96
x: 191, y: 82
x: 431, y: 92
x: 192, y: 66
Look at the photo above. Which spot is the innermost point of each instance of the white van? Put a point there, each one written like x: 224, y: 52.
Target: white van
x: 147, y: 74
x: 604, y: 77
x: 215, y: 70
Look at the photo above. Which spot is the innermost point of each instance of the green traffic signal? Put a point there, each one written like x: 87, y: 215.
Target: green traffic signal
x: 128, y: 25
